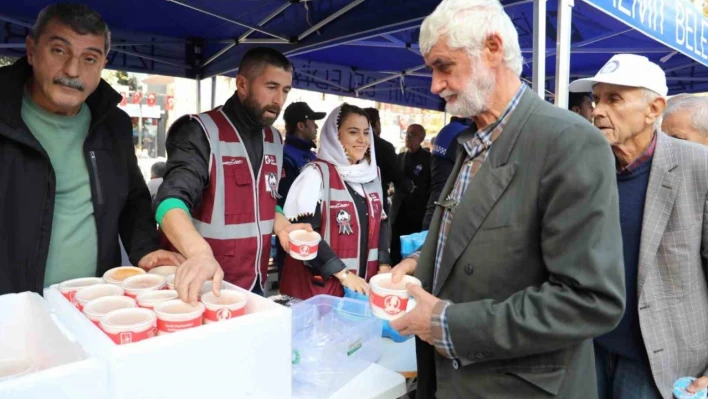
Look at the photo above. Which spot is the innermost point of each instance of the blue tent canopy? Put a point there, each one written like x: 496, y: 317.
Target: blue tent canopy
x: 345, y: 47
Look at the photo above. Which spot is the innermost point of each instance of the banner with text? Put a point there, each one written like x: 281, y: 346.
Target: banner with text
x: 678, y: 24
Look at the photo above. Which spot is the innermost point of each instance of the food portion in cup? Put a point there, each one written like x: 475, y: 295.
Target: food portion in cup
x: 175, y: 315
x: 230, y: 304
x: 118, y: 274
x: 304, y: 244
x: 88, y: 294
x: 150, y: 299
x: 389, y: 300
x: 69, y: 288
x: 96, y: 309
x: 125, y: 326
x: 163, y: 271
x: 142, y: 283
x: 15, y: 367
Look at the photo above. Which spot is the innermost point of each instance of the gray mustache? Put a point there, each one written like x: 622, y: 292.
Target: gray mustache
x: 69, y: 82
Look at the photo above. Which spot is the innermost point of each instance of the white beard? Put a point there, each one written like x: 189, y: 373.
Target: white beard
x: 474, y: 96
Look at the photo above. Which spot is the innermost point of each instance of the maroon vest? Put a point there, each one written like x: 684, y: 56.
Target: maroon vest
x: 237, y: 211
x: 340, y: 228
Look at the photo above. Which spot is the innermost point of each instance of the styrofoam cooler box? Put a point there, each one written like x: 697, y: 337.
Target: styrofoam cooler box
x: 244, y: 357
x: 62, y: 369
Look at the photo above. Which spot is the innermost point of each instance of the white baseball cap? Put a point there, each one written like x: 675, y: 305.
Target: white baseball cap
x: 626, y: 70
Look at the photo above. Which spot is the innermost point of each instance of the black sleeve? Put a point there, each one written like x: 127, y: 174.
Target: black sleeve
x: 440, y: 170
x: 327, y: 262
x: 286, y: 182
x: 136, y: 224
x: 390, y: 171
x: 187, y: 171
x: 385, y: 243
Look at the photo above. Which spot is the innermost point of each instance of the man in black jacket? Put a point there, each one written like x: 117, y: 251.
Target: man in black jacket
x: 217, y: 203
x: 386, y: 159
x: 408, y: 209
x: 442, y: 161
x: 70, y: 179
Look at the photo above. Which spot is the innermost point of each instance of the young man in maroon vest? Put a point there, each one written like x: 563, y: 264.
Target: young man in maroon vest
x: 217, y: 203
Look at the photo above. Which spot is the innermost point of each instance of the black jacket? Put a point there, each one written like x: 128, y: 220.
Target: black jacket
x: 412, y: 206
x: 120, y: 197
x: 390, y: 171
x: 188, y: 152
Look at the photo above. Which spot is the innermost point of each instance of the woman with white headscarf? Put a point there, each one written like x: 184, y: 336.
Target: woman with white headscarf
x: 340, y: 196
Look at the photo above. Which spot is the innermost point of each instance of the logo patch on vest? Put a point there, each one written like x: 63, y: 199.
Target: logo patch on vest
x: 272, y: 185
x: 343, y: 220
x: 271, y: 160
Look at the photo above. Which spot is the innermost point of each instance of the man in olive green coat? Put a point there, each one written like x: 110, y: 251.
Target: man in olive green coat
x: 522, y: 266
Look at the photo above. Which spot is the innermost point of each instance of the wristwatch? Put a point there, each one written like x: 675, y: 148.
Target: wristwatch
x: 346, y: 274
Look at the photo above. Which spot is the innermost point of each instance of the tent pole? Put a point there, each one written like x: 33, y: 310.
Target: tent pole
x: 371, y: 33
x: 149, y: 58
x: 199, y: 94
x: 539, y: 48
x: 329, y: 19
x: 219, y: 54
x: 183, y: 4
x: 15, y: 21
x: 565, y: 15
x: 267, y: 19
x: 387, y: 78
x: 213, y: 92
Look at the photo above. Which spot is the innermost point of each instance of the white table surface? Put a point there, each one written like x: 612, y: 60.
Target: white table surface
x: 383, y: 379
x: 376, y: 382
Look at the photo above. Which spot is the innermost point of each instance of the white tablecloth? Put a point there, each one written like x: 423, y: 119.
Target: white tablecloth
x: 376, y: 382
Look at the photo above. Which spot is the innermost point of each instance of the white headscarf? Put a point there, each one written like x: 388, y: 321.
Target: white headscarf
x: 306, y: 191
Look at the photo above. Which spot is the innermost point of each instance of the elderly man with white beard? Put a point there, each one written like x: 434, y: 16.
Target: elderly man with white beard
x: 522, y: 266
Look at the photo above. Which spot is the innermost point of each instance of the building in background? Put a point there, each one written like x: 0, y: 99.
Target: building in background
x: 155, y: 102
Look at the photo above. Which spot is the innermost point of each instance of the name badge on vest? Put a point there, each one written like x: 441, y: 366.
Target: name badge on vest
x: 272, y: 185
x: 344, y: 221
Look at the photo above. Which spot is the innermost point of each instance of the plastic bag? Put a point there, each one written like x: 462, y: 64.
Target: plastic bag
x: 411, y: 243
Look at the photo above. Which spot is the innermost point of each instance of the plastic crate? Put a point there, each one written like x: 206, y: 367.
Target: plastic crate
x: 334, y: 340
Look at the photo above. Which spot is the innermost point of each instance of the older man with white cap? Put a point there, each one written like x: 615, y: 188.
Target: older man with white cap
x: 663, y: 188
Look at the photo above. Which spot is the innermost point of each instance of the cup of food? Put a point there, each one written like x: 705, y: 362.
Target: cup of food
x: 390, y: 300
x: 304, y: 244
x: 118, y: 274
x: 150, y: 299
x: 125, y: 326
x: 142, y: 283
x: 163, y: 271
x: 15, y: 367
x: 69, y: 288
x: 88, y: 294
x: 230, y: 304
x: 175, y: 315
x: 96, y: 309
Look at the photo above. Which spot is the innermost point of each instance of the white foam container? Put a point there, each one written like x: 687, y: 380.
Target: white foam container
x: 163, y: 366
x: 84, y: 377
